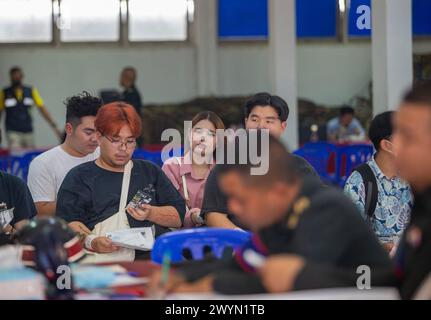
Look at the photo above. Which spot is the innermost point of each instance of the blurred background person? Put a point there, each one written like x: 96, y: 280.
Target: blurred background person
x: 412, y: 140
x: 130, y: 93
x: 16, y: 100
x: 345, y: 127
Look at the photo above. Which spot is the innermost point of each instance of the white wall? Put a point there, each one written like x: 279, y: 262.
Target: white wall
x: 165, y: 74
x: 328, y: 73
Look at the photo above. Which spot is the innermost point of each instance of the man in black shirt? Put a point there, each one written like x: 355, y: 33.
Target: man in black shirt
x: 262, y: 111
x: 412, y: 140
x: 91, y: 193
x: 15, y: 194
x: 290, y: 214
x: 131, y: 94
x: 412, y: 271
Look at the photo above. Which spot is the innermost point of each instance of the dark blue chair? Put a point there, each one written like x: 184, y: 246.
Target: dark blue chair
x: 153, y: 156
x: 18, y: 165
x: 198, y: 241
x: 5, y: 163
x: 351, y: 157
x: 322, y: 156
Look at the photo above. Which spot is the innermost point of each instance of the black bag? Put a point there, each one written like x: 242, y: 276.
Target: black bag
x: 371, y: 189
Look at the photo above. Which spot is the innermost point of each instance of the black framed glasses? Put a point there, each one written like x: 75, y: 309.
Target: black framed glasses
x: 117, y: 142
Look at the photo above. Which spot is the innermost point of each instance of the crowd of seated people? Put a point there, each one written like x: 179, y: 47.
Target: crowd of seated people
x: 307, y: 235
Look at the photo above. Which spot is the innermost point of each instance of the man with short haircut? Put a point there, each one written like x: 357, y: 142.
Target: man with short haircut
x: 289, y: 214
x: 412, y: 270
x: 94, y: 196
x: 382, y: 197
x: 47, y: 171
x: 262, y: 111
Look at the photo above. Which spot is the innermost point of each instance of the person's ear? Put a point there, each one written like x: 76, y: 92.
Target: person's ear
x: 284, y: 125
x: 68, y: 128
x: 387, y: 146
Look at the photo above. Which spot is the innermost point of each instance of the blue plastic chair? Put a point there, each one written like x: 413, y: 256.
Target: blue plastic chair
x: 319, y: 155
x: 153, y: 156
x: 19, y: 165
x: 5, y: 163
x: 197, y: 241
x: 351, y: 157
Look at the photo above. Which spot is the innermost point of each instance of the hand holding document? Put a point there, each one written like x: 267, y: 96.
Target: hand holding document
x: 6, y: 216
x: 134, y: 238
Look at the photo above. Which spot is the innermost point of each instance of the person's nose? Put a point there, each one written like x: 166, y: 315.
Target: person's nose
x: 123, y: 146
x: 262, y: 125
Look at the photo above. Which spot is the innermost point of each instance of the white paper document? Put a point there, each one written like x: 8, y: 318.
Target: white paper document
x: 6, y: 217
x: 133, y: 238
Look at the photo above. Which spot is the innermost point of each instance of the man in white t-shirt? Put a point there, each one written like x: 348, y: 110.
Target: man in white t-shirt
x: 47, y: 171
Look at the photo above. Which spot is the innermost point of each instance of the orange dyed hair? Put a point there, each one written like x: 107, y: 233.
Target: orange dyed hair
x: 113, y: 116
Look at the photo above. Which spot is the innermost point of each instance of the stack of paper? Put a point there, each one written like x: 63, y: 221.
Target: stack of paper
x: 134, y: 238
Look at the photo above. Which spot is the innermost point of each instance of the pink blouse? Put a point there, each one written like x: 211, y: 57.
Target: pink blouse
x: 195, y: 185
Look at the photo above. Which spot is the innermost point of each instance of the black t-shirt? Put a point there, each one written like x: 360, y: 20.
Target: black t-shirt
x: 14, y: 192
x: 215, y: 201
x: 90, y: 194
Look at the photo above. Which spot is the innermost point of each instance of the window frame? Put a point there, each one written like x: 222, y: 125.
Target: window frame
x: 123, y: 40
x: 37, y: 43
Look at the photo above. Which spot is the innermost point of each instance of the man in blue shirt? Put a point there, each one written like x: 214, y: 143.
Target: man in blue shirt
x: 390, y: 212
x: 345, y: 128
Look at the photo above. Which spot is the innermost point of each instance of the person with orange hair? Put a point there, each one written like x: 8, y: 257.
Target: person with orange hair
x: 95, y: 197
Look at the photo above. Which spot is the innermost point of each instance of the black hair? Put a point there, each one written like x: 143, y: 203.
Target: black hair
x: 15, y: 69
x: 344, y: 110
x: 419, y: 94
x: 130, y: 68
x: 381, y: 128
x: 81, y: 105
x: 266, y: 99
x: 281, y: 165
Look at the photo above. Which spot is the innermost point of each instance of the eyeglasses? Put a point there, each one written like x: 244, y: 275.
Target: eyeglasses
x: 117, y: 143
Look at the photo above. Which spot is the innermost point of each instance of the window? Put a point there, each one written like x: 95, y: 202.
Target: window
x: 239, y: 19
x: 158, y: 20
x: 89, y: 20
x: 25, y: 21
x: 248, y: 20
x: 360, y: 18
x: 422, y: 17
x: 316, y: 19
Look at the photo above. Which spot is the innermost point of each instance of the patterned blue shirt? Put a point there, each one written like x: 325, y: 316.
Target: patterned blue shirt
x: 394, y: 204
